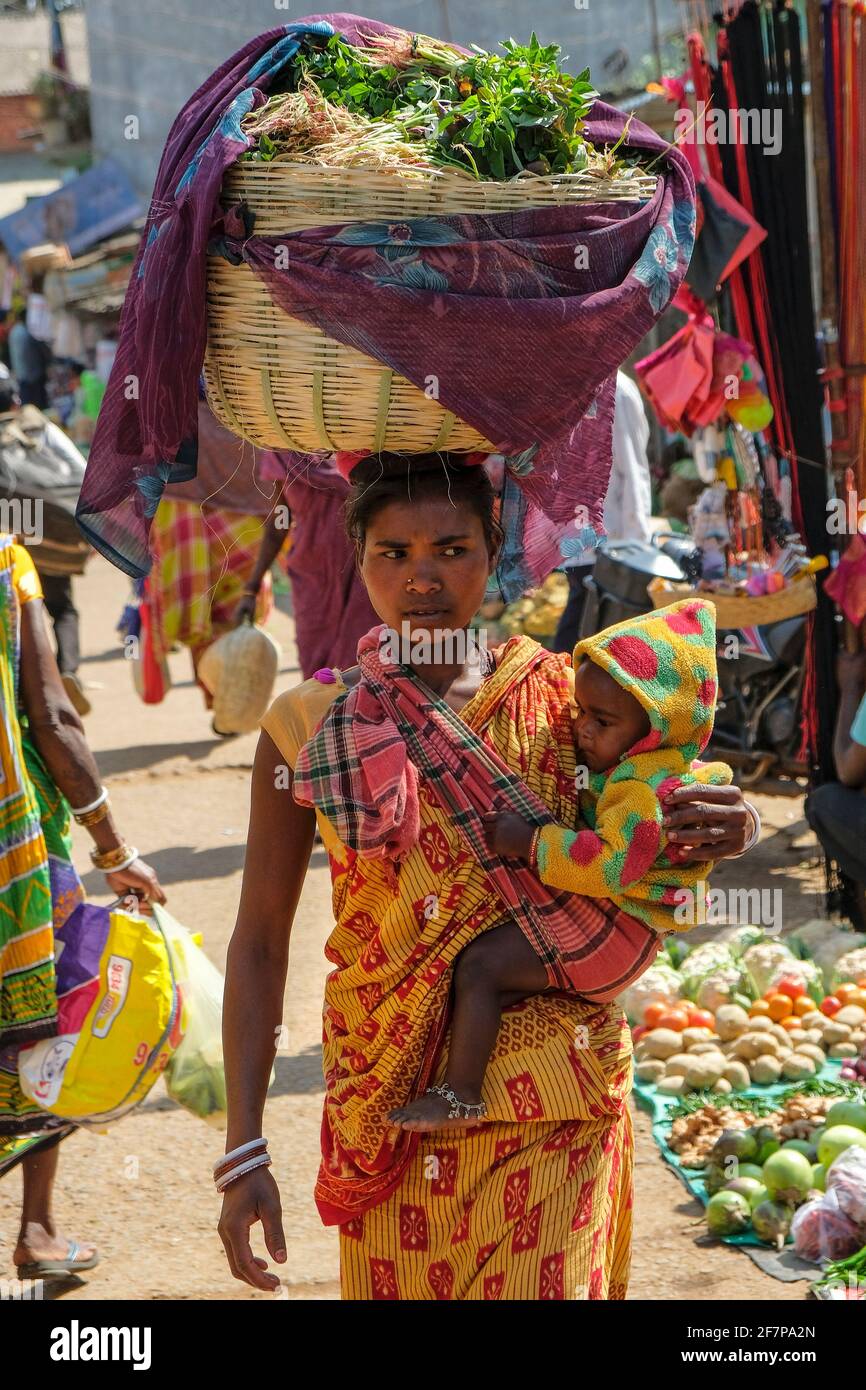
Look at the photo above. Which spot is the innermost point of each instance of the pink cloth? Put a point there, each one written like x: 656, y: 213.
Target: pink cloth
x: 331, y: 607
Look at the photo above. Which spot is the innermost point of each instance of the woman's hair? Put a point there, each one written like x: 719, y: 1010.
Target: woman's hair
x: 380, y: 479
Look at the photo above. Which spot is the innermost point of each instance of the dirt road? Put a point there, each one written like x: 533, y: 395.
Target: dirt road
x: 142, y: 1191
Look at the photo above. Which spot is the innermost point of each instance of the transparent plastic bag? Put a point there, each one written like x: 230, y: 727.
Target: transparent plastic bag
x: 195, y: 1077
x: 846, y: 1177
x: 821, y: 1230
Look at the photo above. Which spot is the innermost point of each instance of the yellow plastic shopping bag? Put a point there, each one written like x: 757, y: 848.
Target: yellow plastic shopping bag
x: 119, y: 1017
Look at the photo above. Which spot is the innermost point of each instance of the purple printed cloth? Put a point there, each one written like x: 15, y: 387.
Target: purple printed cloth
x: 522, y: 331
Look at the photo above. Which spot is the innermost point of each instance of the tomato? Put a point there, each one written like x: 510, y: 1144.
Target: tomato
x: 844, y: 992
x: 791, y: 1022
x: 677, y: 1019
x: 653, y: 1012
x: 701, y: 1018
x: 803, y: 1005
x: 637, y: 1033
x: 792, y: 986
x: 858, y: 996
x: 780, y: 1005
x: 760, y: 1008
x: 861, y: 984
x: 830, y: 1005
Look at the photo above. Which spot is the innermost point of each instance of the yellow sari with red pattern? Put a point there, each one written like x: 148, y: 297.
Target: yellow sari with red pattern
x: 535, y: 1203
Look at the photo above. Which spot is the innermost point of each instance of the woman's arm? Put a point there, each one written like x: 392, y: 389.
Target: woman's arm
x: 849, y: 755
x: 270, y: 546
x: 59, y: 737
x: 279, y: 842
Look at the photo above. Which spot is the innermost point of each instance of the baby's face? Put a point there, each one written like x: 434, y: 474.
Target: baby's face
x: 609, y: 720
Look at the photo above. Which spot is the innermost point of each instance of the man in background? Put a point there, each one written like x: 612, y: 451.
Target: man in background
x: 627, y: 504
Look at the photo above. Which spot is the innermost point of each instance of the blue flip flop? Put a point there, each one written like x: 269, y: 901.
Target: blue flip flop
x: 57, y: 1268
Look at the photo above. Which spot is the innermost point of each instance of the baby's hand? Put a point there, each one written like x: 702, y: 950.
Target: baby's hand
x: 508, y: 834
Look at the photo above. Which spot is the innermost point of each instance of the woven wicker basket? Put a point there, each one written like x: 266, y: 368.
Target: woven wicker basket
x: 737, y: 610
x: 283, y: 385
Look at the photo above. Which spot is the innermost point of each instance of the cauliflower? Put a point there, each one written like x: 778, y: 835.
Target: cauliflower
x: 660, y: 984
x: 763, y: 962
x: 744, y: 937
x: 805, y: 970
x: 851, y: 966
x: 713, y: 955
x: 719, y: 987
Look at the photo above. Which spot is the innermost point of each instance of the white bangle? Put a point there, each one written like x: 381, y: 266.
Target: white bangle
x: 257, y: 1161
x: 239, y: 1152
x: 94, y: 805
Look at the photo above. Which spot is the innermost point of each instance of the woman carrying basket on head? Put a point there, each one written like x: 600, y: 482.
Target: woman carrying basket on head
x: 535, y: 1203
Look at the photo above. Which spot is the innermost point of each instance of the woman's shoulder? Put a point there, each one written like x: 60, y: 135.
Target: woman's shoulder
x: 294, y: 715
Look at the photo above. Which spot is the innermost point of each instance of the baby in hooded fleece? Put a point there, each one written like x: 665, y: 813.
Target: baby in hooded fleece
x: 645, y: 697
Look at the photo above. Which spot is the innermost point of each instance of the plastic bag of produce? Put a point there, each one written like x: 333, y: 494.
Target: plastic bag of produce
x: 846, y: 1178
x: 195, y: 1076
x: 821, y: 1230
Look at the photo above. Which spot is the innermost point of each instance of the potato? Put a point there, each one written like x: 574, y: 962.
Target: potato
x: 677, y: 1065
x: 750, y: 1045
x: 662, y: 1042
x: 851, y: 1014
x: 705, y: 1049
x: 652, y: 1070
x: 731, y: 1021
x: 695, y: 1035
x: 672, y: 1085
x: 858, y: 1037
x: 761, y: 1024
x: 764, y: 1070
x: 779, y: 1033
x: 797, y: 1067
x: 793, y: 1036
x: 704, y: 1071
x: 641, y: 1052
x: 737, y: 1074
x: 813, y: 1020
x: 723, y: 1086
x: 836, y: 1032
x: 815, y: 1035
x: 844, y: 1049
x: 810, y: 1050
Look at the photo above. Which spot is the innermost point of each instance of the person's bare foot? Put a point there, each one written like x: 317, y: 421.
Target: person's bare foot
x: 37, y: 1244
x: 430, y: 1112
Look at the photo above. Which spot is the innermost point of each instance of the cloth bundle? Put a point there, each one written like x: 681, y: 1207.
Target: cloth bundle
x: 523, y: 333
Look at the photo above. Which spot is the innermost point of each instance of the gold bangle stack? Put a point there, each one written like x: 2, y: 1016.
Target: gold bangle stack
x: 88, y: 818
x: 111, y: 860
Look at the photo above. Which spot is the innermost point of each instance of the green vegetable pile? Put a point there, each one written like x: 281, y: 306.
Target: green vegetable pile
x: 422, y: 101
x: 765, y: 1105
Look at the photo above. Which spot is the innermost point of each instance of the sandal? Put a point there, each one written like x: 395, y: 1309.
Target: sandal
x: 460, y: 1109
x: 62, y: 1265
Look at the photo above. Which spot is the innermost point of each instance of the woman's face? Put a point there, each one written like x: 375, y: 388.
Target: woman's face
x: 426, y: 565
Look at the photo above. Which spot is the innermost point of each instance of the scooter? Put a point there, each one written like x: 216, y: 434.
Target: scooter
x: 761, y: 669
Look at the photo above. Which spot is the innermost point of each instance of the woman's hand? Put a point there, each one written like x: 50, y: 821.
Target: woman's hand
x: 508, y: 834
x: 707, y: 822
x: 246, y: 610
x: 254, y: 1197
x: 138, y: 878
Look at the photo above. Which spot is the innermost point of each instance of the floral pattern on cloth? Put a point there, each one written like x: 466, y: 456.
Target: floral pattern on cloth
x: 411, y: 294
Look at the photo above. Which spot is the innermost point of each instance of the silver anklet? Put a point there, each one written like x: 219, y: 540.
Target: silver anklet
x: 460, y: 1109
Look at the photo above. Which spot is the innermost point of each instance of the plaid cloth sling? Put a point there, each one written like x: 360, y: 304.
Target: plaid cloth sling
x: 361, y: 770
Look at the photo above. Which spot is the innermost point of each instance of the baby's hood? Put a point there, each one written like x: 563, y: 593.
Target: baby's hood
x: 667, y: 660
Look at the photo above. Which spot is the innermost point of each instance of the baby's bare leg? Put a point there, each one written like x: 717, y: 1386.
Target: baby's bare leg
x: 497, y: 969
